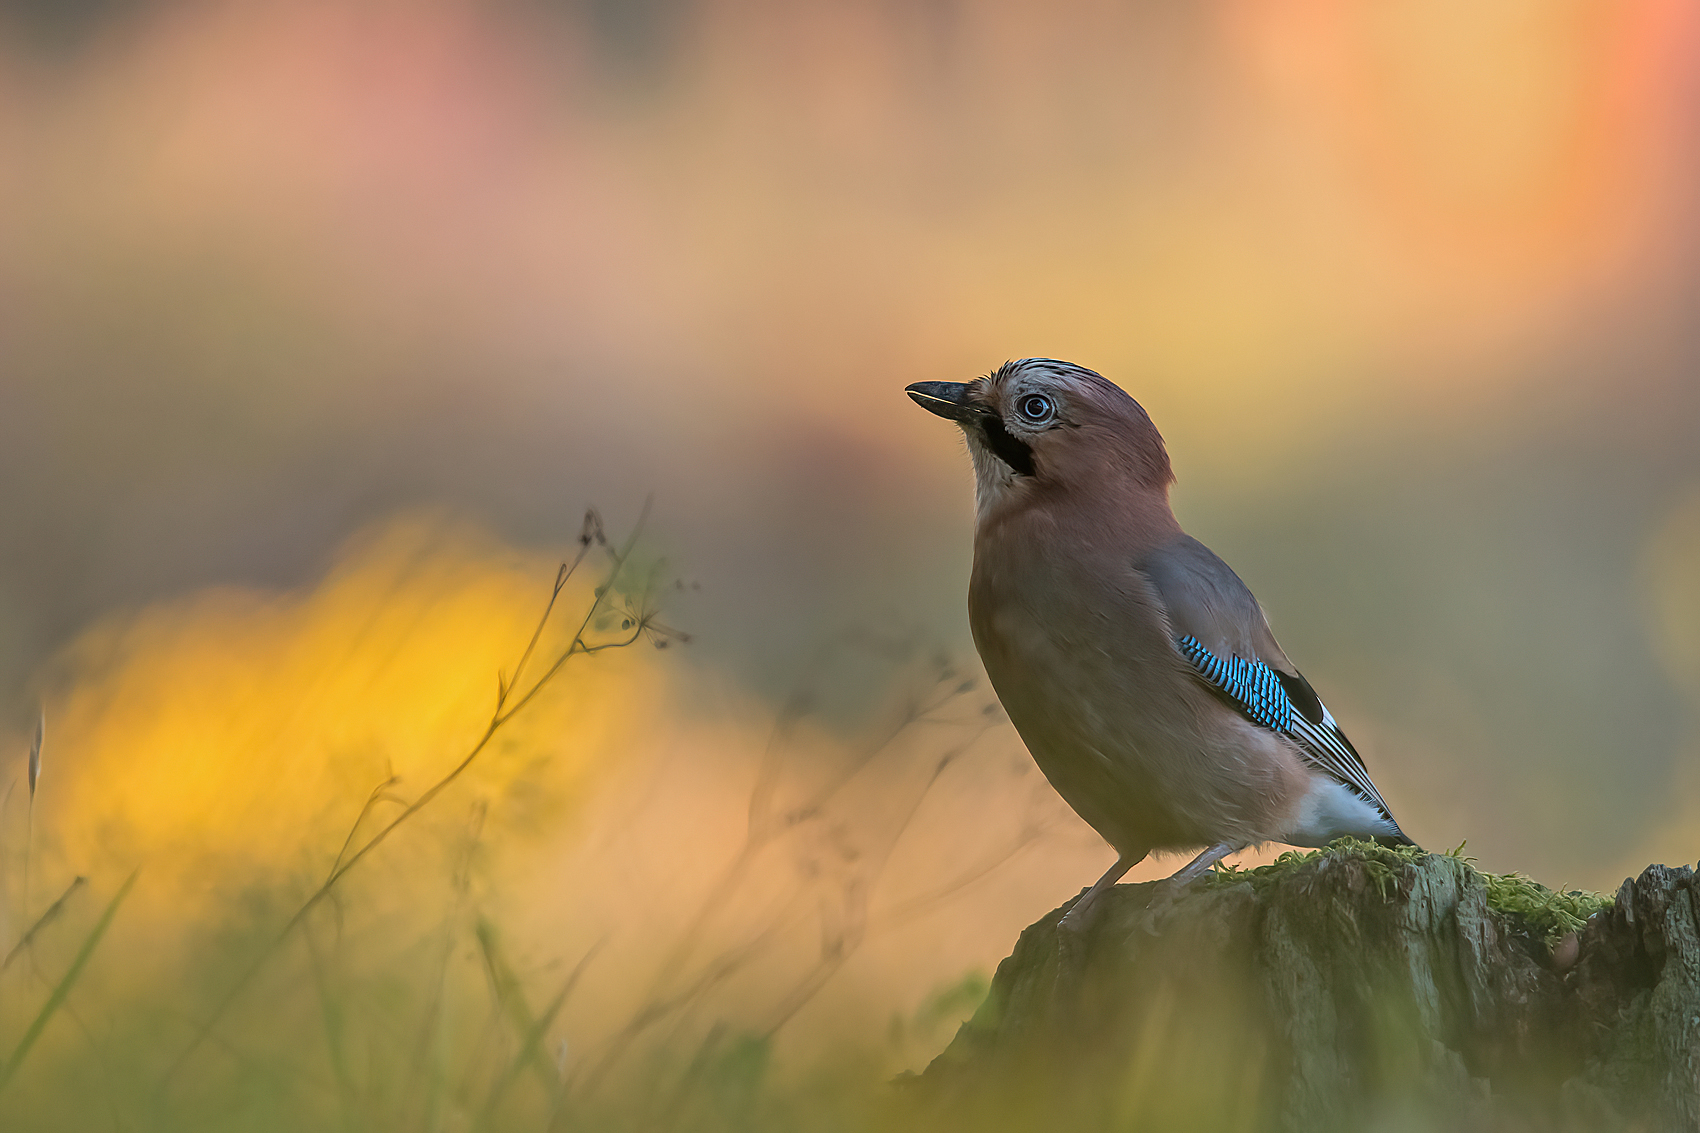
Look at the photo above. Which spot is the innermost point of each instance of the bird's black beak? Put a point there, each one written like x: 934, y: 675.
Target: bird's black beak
x: 947, y: 399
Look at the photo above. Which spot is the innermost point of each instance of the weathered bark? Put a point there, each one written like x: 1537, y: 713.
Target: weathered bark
x: 1356, y: 989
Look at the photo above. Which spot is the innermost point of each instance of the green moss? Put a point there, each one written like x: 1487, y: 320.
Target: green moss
x: 1551, y: 913
x: 1383, y: 863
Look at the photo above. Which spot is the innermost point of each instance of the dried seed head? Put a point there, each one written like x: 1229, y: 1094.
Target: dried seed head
x: 35, y: 751
x: 592, y: 531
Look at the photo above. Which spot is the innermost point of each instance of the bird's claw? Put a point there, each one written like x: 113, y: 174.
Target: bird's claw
x: 1150, y: 920
x: 1071, y: 942
x: 1068, y: 988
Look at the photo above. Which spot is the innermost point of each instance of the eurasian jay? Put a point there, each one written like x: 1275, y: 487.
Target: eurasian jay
x: 1136, y: 666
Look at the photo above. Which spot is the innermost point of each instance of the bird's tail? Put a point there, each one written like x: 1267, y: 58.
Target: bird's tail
x: 1394, y: 840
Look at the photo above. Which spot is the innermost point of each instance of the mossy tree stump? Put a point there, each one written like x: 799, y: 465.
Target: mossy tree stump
x: 1355, y: 988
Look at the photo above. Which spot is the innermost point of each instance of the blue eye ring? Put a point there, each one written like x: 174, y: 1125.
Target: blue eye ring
x: 1036, y: 408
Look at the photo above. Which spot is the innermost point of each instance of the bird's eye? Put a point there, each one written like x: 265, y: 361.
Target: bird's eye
x: 1036, y: 408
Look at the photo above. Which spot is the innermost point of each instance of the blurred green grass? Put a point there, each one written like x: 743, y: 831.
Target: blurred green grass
x: 441, y: 1030
x: 340, y: 1001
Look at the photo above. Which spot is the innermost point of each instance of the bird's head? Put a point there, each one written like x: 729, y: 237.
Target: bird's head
x: 1044, y: 423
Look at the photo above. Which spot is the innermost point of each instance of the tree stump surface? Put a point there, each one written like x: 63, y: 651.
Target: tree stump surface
x: 1355, y: 988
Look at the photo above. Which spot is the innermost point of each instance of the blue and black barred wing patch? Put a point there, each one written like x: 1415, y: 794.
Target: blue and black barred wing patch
x: 1259, y: 693
x: 1251, y: 685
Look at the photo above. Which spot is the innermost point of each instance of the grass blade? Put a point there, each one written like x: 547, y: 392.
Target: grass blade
x: 531, y: 1042
x: 63, y: 988
x: 41, y: 922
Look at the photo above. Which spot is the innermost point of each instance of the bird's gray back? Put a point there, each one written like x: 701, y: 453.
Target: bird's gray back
x: 1202, y: 596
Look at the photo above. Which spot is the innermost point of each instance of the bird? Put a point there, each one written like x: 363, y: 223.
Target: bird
x: 1136, y: 666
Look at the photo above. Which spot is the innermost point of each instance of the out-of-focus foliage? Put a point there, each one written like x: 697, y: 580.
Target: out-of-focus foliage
x: 416, y: 849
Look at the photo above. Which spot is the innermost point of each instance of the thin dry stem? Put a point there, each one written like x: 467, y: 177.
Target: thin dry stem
x: 502, y: 714
x: 761, y: 832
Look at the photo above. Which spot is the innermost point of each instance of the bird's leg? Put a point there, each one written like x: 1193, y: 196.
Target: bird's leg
x: 1071, y: 929
x: 1169, y: 889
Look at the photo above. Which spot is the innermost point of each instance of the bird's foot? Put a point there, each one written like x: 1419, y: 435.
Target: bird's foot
x: 1071, y: 944
x: 1071, y: 954
x: 1168, y: 890
x: 1163, y: 898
